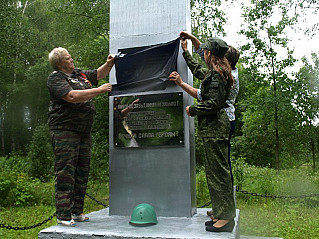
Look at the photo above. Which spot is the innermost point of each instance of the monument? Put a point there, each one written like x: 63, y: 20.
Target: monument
x: 152, y: 156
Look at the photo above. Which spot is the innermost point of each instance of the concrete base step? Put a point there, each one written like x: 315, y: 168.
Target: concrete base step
x: 102, y: 225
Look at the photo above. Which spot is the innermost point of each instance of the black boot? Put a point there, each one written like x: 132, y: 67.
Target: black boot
x: 210, y: 223
x: 228, y: 227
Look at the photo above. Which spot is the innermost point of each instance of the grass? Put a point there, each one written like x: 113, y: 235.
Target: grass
x: 31, y: 215
x: 267, y: 217
x: 278, y: 218
x: 25, y: 216
x: 264, y: 217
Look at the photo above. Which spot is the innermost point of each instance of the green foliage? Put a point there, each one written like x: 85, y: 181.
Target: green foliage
x: 29, y: 31
x: 258, y: 216
x: 14, y: 162
x: 98, y: 189
x: 99, y: 157
x: 40, y: 155
x: 36, y: 95
x: 6, y: 183
x: 23, y: 42
x: 16, y: 189
x: 44, y: 208
x: 25, y: 216
x: 262, y: 180
x: 275, y: 108
x: 208, y: 18
x: 292, y: 182
x: 266, y: 217
x: 202, y: 193
x: 99, y: 153
x: 83, y: 30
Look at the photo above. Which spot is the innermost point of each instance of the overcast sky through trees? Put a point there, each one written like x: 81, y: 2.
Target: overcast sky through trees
x: 302, y: 43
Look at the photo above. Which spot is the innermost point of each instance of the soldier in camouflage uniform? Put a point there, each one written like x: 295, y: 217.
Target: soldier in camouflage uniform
x: 213, y: 126
x: 71, y: 114
x: 232, y: 55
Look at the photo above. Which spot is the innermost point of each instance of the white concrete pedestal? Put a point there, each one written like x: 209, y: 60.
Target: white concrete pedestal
x: 102, y: 225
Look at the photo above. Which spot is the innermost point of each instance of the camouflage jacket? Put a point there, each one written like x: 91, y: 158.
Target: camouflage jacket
x: 212, y: 121
x: 68, y: 116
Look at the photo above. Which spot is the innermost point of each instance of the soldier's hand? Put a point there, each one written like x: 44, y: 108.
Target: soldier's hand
x: 184, y: 44
x: 174, y: 76
x: 186, y: 35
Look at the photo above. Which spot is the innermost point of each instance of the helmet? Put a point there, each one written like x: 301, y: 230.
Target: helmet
x: 143, y: 215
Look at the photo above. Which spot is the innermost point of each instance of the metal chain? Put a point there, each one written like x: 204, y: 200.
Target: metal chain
x: 98, y: 202
x: 268, y: 196
x: 274, y: 196
x: 203, y: 206
x: 29, y: 227
x: 206, y: 204
x: 45, y: 221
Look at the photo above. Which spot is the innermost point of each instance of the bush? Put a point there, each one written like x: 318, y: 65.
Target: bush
x: 40, y: 155
x: 14, y: 161
x: 16, y: 189
x: 7, y: 182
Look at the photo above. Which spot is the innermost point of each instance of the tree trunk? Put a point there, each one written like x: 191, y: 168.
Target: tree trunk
x: 276, y: 109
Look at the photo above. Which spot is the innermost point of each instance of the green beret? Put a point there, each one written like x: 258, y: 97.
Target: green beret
x: 217, y: 46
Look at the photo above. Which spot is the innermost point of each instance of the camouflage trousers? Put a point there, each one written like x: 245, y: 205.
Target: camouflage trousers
x: 218, y: 177
x: 72, y: 152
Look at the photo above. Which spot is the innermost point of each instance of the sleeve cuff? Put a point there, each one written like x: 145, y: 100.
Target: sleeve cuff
x: 200, y: 52
x: 199, y: 95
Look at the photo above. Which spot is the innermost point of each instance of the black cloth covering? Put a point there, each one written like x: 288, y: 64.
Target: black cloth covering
x: 145, y: 68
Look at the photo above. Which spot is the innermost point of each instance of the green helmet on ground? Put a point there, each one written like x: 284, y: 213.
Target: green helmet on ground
x: 143, y: 215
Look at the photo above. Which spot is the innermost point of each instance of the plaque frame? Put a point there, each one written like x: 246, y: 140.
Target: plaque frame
x: 151, y: 120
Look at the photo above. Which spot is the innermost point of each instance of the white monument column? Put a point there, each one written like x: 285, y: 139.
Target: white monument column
x: 163, y: 176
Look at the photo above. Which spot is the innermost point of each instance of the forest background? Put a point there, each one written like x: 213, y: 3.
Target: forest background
x: 276, y: 109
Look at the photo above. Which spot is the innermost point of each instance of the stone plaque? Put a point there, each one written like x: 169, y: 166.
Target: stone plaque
x: 149, y: 120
